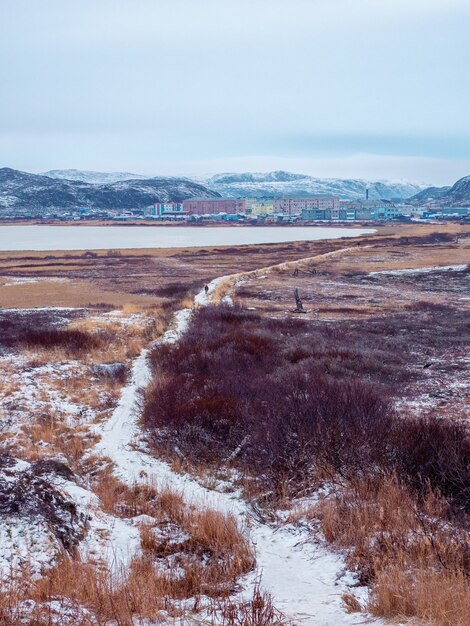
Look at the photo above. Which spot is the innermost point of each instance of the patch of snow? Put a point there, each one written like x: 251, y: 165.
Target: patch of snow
x: 58, y: 612
x: 421, y: 270
x: 20, y: 280
x: 31, y: 392
x: 27, y: 545
x: 305, y: 580
x: 111, y: 540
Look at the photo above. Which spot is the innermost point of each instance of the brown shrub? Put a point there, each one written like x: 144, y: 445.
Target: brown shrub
x: 286, y: 399
x: 233, y: 388
x: 72, y: 342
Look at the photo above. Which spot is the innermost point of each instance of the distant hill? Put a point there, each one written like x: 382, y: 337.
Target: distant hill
x: 22, y: 193
x: 457, y: 195
x: 274, y: 184
x: 429, y: 194
x: 281, y: 183
x: 95, y: 178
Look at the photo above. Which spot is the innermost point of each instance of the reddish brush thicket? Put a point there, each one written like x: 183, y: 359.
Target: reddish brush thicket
x: 172, y: 290
x: 73, y: 341
x: 283, y: 398
x: 39, y: 329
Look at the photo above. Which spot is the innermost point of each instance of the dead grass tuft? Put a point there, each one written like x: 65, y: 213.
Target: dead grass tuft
x: 413, y: 554
x: 49, y: 437
x: 258, y: 611
x: 208, y: 547
x: 439, y: 597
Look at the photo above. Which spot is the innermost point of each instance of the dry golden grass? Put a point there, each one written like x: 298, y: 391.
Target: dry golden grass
x: 73, y: 293
x: 209, y: 556
x: 99, y: 395
x: 141, y: 499
x: 187, y: 303
x: 131, y: 308
x: 48, y: 437
x: 415, y: 560
x: 258, y: 611
x: 116, y: 598
x: 8, y: 387
x: 94, y: 596
x: 123, y: 340
x: 213, y: 551
x: 113, y: 339
x: 110, y: 490
x: 224, y: 287
x: 351, y: 603
x: 437, y: 597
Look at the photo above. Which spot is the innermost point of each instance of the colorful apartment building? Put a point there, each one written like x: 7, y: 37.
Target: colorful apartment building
x: 214, y: 206
x: 261, y: 208
x: 295, y: 206
x: 159, y: 209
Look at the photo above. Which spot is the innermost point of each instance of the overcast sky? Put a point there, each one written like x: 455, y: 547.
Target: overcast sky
x: 338, y: 88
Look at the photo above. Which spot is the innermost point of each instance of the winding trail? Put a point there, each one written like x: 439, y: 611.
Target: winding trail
x: 305, y: 579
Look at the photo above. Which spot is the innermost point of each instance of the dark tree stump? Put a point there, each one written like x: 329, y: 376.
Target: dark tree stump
x: 298, y: 301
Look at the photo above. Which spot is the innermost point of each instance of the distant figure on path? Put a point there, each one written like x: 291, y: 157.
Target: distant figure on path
x: 206, y: 289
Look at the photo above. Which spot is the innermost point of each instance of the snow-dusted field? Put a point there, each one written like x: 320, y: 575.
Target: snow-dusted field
x: 305, y: 579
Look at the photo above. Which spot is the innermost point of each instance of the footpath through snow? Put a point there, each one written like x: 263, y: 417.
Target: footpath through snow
x: 305, y: 579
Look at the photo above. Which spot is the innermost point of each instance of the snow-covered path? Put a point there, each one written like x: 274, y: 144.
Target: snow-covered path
x: 305, y: 580
x: 121, y: 437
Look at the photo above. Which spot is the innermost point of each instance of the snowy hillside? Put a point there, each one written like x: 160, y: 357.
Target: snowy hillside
x: 260, y: 184
x: 456, y: 196
x: 22, y: 193
x: 280, y: 183
x: 88, y: 176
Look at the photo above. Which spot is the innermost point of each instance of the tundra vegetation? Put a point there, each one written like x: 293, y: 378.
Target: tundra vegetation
x: 298, y: 405
x: 349, y: 420
x: 293, y: 406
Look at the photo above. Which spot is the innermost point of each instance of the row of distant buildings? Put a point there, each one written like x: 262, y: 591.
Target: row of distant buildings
x: 325, y: 208
x: 244, y: 206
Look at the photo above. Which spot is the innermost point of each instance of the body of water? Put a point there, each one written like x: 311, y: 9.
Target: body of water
x: 32, y: 237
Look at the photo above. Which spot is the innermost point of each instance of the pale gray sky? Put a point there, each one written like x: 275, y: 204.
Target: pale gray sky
x: 370, y: 88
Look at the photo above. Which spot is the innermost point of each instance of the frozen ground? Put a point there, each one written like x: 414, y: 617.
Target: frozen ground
x: 422, y: 270
x: 305, y: 580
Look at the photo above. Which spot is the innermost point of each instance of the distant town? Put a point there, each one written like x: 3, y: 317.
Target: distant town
x: 283, y: 210
x: 266, y: 211
x: 270, y: 197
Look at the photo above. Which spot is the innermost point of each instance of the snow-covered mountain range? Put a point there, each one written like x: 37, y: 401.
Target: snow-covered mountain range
x: 22, y: 193
x: 281, y: 183
x: 94, y: 178
x: 267, y: 184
